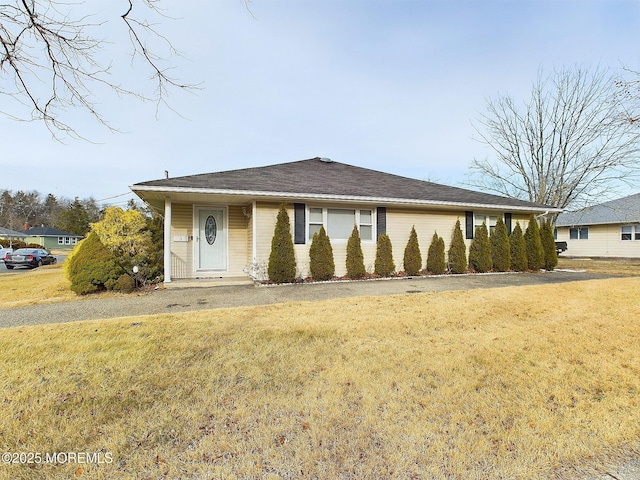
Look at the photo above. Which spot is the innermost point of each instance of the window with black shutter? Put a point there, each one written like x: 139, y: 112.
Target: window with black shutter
x: 299, y: 223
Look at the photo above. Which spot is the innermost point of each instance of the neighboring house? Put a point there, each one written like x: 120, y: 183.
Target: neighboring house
x: 51, y: 238
x: 611, y: 229
x: 221, y: 224
x: 12, y: 235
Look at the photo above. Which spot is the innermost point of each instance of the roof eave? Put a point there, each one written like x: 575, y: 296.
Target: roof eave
x: 342, y: 198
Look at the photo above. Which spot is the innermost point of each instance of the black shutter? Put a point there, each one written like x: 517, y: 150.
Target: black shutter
x: 469, y: 225
x: 381, y: 224
x: 507, y: 222
x: 299, y: 223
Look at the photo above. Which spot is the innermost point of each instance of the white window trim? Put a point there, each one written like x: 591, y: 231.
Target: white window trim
x: 487, y: 220
x: 635, y: 232
x: 579, y: 228
x: 358, y: 222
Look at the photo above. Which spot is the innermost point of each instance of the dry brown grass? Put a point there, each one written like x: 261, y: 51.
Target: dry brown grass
x: 42, y: 285
x: 601, y: 265
x: 513, y: 383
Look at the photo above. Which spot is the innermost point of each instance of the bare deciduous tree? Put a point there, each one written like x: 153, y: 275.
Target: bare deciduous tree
x: 52, y: 58
x: 571, y: 142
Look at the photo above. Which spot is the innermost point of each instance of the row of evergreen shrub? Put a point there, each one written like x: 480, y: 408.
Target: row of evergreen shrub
x: 533, y: 250
x: 16, y: 244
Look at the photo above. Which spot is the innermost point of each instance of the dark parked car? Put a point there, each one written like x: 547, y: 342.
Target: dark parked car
x: 29, y: 257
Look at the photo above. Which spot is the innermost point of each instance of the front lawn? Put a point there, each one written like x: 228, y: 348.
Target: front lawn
x: 518, y: 383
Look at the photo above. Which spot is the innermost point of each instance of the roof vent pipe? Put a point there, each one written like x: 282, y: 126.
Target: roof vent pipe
x: 326, y: 160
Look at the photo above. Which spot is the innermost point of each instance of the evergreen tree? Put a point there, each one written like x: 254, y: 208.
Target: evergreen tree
x: 412, y: 256
x: 321, y: 256
x: 74, y: 218
x: 384, y: 265
x: 500, y: 248
x: 535, y: 252
x: 355, y: 258
x: 282, y: 261
x: 457, y: 251
x: 435, y: 258
x: 480, y: 250
x: 548, y: 246
x: 518, y: 250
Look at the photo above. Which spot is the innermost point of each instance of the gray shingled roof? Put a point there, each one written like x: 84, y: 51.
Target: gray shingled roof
x: 622, y: 210
x: 5, y: 232
x: 321, y: 177
x: 48, y: 232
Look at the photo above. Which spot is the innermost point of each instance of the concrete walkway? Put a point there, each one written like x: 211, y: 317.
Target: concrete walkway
x: 190, y: 299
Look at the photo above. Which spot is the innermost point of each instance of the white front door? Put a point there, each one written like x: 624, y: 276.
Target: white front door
x: 211, y: 248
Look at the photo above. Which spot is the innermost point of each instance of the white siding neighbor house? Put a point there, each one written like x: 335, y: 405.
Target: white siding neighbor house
x: 221, y: 224
x: 610, y: 229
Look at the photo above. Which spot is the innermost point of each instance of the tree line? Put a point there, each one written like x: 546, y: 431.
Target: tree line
x: 31, y: 208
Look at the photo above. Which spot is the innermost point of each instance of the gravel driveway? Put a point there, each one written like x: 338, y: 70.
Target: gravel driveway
x: 189, y: 299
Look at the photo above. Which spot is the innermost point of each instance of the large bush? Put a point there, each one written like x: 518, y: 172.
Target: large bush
x: 355, y: 257
x: 500, y: 248
x: 412, y: 256
x: 92, y: 267
x: 457, y: 251
x: 548, y: 246
x: 535, y: 252
x: 518, y: 249
x: 480, y: 250
x: 435, y: 258
x: 321, y: 261
x: 282, y: 260
x: 384, y: 265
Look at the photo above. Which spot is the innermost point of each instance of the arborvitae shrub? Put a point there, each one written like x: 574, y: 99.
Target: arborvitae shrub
x: 384, y: 265
x: 500, y: 248
x: 91, y: 267
x: 480, y: 250
x: 321, y: 256
x: 282, y: 260
x: 355, y: 258
x: 548, y: 246
x: 518, y: 250
x: 412, y: 256
x: 435, y: 257
x: 535, y: 252
x: 457, y: 251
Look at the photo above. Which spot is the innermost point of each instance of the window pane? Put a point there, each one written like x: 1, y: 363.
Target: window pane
x: 584, y: 233
x: 340, y: 223
x: 637, y: 237
x: 366, y: 232
x: 480, y: 219
x: 313, y: 229
x: 365, y: 217
x: 573, y: 233
x: 493, y: 220
x: 627, y: 232
x: 315, y: 215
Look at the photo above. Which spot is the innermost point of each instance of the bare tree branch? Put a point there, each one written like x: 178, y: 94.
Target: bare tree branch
x: 573, y: 141
x: 51, y: 54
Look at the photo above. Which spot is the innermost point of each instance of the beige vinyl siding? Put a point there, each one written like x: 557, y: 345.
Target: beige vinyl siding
x: 181, y: 251
x: 399, y: 223
x: 603, y: 241
x: 238, y: 251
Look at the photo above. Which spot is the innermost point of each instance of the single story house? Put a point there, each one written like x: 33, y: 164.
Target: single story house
x: 610, y: 229
x: 12, y: 235
x: 51, y: 238
x: 221, y: 224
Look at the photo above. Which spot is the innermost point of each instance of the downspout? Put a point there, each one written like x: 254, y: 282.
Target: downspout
x: 167, y: 239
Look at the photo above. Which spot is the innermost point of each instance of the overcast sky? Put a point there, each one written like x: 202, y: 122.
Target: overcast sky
x: 392, y: 85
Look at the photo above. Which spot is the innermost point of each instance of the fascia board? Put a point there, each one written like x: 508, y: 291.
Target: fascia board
x: 342, y: 198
